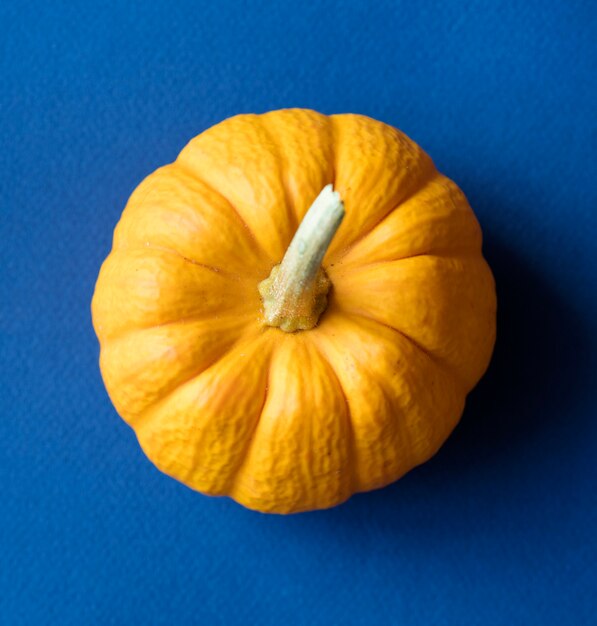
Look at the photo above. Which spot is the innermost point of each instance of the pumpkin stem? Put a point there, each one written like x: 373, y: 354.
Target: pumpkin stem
x: 295, y: 293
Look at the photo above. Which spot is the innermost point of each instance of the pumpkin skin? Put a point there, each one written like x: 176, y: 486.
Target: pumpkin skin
x: 286, y: 422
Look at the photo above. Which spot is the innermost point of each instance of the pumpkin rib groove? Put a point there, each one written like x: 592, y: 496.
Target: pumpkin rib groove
x: 184, y: 167
x: 282, y: 173
x: 462, y: 254
x: 179, y: 384
x: 213, y: 268
x: 351, y: 436
x: 425, y: 180
x: 333, y: 164
x: 440, y: 363
x: 182, y: 320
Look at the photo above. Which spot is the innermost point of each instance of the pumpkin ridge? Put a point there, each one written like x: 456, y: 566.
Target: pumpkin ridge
x: 459, y: 254
x: 141, y: 394
x: 152, y: 180
x: 138, y: 420
x: 148, y: 220
x: 457, y: 247
x: 232, y: 472
x: 233, y: 482
x: 185, y: 168
x: 431, y: 175
x: 440, y: 363
x: 234, y: 306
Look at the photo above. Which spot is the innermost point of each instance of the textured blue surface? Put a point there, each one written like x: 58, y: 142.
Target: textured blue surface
x: 500, y: 527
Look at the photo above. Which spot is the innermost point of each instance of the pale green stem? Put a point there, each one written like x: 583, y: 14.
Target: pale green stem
x: 295, y: 293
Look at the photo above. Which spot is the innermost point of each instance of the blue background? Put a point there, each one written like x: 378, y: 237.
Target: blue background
x: 500, y: 527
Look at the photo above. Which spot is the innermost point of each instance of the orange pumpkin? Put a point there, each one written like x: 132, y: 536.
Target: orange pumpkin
x: 292, y: 376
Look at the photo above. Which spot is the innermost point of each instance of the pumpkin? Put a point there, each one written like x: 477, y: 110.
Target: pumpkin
x: 294, y: 310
